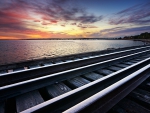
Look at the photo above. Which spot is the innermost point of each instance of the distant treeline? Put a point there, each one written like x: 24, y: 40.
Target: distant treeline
x: 145, y: 35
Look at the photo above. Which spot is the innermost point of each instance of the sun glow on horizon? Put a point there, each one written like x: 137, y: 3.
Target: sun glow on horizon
x: 60, y: 19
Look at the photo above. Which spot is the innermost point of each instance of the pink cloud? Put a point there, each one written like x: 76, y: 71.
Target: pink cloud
x: 37, y: 21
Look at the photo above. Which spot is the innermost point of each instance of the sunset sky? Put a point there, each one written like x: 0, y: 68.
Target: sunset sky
x: 31, y: 19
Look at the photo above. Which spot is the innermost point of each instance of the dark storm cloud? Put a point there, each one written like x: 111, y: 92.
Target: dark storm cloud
x: 139, y: 14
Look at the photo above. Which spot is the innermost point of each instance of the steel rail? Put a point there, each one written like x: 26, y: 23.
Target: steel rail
x: 5, y: 74
x: 15, y: 89
x: 36, y: 83
x: 42, y: 71
x: 85, y: 105
x: 63, y: 72
x: 61, y: 99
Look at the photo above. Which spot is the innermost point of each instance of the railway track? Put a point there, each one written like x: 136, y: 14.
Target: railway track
x: 62, y: 86
x: 137, y: 101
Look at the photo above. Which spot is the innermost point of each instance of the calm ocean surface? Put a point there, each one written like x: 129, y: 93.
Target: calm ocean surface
x: 21, y: 50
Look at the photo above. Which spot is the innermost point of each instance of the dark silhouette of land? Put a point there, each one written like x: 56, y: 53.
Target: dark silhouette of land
x: 145, y: 35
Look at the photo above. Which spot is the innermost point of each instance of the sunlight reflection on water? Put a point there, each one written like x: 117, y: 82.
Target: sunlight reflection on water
x: 21, y: 50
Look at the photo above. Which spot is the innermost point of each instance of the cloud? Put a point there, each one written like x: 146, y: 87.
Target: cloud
x: 119, y: 32
x: 37, y: 21
x: 46, y: 23
x: 63, y: 25
x: 61, y: 1
x: 92, y: 26
x: 89, y: 18
x: 11, y: 22
x: 81, y: 26
x: 21, y: 32
x: 123, y: 31
x: 86, y: 26
x: 18, y: 16
x: 73, y: 23
x: 14, y: 16
x: 65, y: 11
x: 54, y: 21
x: 138, y: 14
x: 135, y: 30
x: 112, y: 30
x: 96, y: 35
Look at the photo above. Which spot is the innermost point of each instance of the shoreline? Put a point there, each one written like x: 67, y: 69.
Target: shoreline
x: 42, y: 61
x: 143, y: 40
